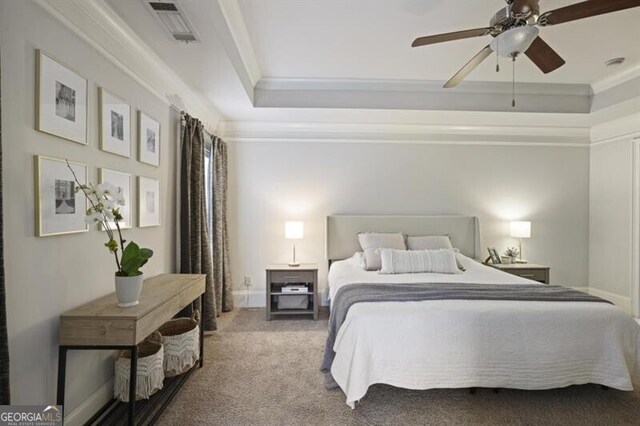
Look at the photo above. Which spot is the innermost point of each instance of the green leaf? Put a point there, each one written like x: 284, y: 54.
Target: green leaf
x: 133, y: 258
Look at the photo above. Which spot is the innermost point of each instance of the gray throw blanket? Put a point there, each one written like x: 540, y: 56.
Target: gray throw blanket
x: 351, y: 294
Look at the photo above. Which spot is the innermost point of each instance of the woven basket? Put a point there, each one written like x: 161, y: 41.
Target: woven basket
x: 181, y: 344
x: 150, y: 372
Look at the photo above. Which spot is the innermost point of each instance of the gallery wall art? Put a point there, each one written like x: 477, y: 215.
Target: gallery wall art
x: 59, y: 208
x: 115, y: 124
x: 62, y: 110
x: 148, y: 202
x: 148, y: 140
x: 61, y: 100
x: 122, y: 181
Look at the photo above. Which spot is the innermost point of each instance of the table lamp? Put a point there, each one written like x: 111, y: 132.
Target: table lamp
x: 520, y: 230
x: 294, y: 231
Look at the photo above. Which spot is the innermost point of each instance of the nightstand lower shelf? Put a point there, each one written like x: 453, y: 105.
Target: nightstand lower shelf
x: 292, y: 312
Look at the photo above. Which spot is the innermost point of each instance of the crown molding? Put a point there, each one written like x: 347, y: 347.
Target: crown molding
x: 422, y: 95
x: 102, y: 28
x: 237, y: 43
x: 613, y: 80
x: 615, y: 130
x: 234, y: 131
x: 395, y: 85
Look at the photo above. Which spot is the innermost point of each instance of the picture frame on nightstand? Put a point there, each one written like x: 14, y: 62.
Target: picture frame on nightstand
x: 494, y: 256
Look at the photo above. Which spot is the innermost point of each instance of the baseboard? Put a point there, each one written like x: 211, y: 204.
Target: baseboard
x: 257, y: 298
x: 249, y: 298
x: 90, y: 406
x: 622, y: 302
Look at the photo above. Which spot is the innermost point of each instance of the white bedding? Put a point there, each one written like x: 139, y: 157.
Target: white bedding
x: 472, y: 343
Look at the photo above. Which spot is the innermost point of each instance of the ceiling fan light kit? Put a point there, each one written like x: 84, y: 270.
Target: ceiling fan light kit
x: 514, y: 41
x: 515, y: 30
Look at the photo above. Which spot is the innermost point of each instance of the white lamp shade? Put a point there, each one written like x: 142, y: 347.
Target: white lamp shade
x: 294, y: 230
x: 521, y: 229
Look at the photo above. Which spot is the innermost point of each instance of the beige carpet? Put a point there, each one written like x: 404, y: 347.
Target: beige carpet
x: 266, y: 373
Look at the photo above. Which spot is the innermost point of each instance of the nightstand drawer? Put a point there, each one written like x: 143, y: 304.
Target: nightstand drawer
x: 292, y: 276
x: 531, y: 274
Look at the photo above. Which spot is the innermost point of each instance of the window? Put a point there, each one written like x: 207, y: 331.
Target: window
x: 208, y: 180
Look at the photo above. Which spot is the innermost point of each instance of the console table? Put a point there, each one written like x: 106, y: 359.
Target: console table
x: 101, y: 324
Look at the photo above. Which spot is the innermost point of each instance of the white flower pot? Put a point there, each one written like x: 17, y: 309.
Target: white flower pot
x: 507, y: 259
x: 128, y: 290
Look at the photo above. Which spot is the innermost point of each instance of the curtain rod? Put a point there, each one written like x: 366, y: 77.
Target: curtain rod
x: 183, y: 113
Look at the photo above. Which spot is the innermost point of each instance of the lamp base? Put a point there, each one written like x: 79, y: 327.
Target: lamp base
x: 521, y: 261
x: 294, y: 264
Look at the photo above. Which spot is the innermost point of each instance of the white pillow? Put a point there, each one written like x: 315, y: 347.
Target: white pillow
x: 429, y: 242
x: 358, y: 259
x: 442, y: 261
x: 372, y: 241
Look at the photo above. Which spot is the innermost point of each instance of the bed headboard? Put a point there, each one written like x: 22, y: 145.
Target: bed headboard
x: 342, y: 231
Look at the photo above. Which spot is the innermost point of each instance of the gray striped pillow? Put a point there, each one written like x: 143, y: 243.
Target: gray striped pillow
x: 442, y: 261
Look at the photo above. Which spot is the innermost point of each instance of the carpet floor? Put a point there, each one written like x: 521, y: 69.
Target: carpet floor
x: 261, y: 372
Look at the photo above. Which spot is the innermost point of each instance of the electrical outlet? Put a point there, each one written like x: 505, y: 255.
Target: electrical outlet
x: 248, y: 280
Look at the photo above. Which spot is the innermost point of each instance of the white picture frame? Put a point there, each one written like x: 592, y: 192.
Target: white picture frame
x: 122, y: 181
x: 59, y: 209
x: 148, y: 140
x: 115, y: 124
x: 148, y: 202
x: 61, y: 100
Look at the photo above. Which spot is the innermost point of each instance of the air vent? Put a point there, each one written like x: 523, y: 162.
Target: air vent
x: 173, y: 20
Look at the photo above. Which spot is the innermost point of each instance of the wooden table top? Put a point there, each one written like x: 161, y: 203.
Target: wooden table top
x: 102, y: 323
x: 155, y: 292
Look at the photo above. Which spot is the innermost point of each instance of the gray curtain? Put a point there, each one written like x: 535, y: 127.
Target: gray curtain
x: 220, y: 234
x: 4, y: 345
x: 195, y: 248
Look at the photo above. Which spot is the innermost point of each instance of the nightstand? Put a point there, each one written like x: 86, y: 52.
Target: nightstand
x: 525, y: 270
x: 281, y: 276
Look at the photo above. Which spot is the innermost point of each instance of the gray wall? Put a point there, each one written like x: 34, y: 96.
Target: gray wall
x: 610, y: 217
x: 46, y: 276
x: 275, y: 181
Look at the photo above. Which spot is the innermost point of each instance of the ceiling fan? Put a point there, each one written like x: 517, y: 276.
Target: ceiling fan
x: 515, y: 30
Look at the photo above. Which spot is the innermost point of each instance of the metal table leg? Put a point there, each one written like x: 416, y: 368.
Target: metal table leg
x: 201, y: 330
x: 132, y: 385
x: 62, y: 372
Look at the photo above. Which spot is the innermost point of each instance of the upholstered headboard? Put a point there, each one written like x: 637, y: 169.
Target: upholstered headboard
x: 342, y: 231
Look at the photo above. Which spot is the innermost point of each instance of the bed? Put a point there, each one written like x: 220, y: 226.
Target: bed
x: 467, y: 343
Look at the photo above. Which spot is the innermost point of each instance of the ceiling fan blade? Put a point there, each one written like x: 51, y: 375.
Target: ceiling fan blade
x: 544, y: 56
x: 439, y: 38
x: 585, y: 9
x: 469, y: 66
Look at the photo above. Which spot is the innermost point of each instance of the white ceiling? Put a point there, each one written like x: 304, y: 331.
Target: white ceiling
x: 204, y: 66
x: 368, y: 39
x: 371, y: 39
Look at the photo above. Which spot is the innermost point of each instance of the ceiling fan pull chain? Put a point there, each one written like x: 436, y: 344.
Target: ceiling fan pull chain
x: 497, y: 56
x: 513, y: 82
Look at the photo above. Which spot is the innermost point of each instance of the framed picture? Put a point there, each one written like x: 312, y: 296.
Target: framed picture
x: 148, y: 140
x: 61, y: 100
x: 493, y: 254
x: 148, y: 202
x: 115, y: 124
x: 59, y: 209
x: 122, y: 181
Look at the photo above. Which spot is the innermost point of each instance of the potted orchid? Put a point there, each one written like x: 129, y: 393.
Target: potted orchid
x: 105, y: 200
